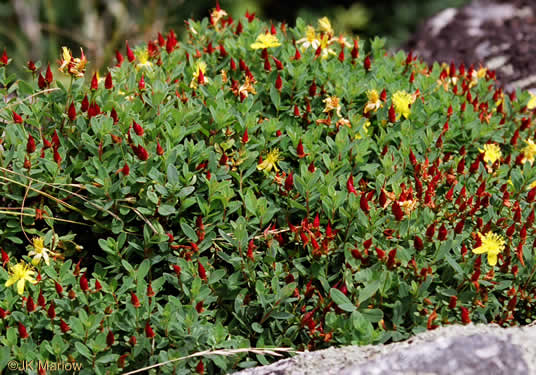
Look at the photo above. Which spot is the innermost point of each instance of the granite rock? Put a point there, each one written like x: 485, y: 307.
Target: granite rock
x: 460, y: 350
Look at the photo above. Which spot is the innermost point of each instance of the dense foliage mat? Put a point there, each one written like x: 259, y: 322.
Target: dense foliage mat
x: 257, y: 186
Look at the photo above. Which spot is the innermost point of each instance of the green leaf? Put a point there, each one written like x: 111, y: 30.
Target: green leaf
x: 166, y: 210
x: 341, y: 300
x: 188, y: 231
x: 143, y: 269
x: 369, y: 290
x: 82, y: 349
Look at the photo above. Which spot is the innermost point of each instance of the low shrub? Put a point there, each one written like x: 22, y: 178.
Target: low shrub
x: 257, y: 186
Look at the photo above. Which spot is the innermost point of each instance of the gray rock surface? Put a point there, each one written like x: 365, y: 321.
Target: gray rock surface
x: 460, y: 350
x: 499, y: 34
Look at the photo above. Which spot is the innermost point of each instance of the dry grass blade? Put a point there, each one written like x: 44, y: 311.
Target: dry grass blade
x: 58, y: 186
x: 44, y: 216
x: 224, y: 352
x: 142, y: 217
x: 29, y: 97
x: 59, y: 201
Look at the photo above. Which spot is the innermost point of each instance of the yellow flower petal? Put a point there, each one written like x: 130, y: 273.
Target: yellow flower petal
x: 532, y: 101
x: 20, y: 286
x: 265, y: 41
x: 492, y: 259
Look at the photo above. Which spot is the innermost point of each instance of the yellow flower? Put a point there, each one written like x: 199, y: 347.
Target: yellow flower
x: 408, y: 206
x: 216, y: 15
x: 529, y: 152
x: 492, y: 152
x: 200, y: 66
x: 325, y: 26
x: 266, y: 41
x: 402, y: 102
x: 247, y: 88
x: 374, y: 102
x: 532, y: 101
x: 143, y: 58
x: 492, y: 244
x: 39, y: 251
x: 66, y: 60
x: 324, y: 47
x: 332, y: 103
x: 270, y: 162
x: 20, y: 273
x: 531, y: 186
x: 310, y: 39
x: 74, y: 66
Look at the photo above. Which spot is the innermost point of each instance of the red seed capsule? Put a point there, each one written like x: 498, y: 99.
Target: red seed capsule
x: 367, y: 63
x: 363, y: 203
x: 397, y: 211
x: 22, y: 331
x: 452, y: 302
x: 201, y: 271
x: 417, y: 242
x: 30, y: 145
x: 64, y: 326
x: 110, y: 339
x: 465, y: 315
x: 130, y: 54
x: 392, y: 114
x: 83, y: 283
x: 72, y: 112
x: 149, y: 333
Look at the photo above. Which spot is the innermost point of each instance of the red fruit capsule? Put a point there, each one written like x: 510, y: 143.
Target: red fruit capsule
x: 312, y: 89
x: 159, y: 149
x: 64, y: 326
x: 300, y: 151
x: 94, y: 82
x: 465, y: 315
x: 149, y: 333
x: 200, y: 368
x: 108, y: 84
x: 452, y: 302
x: 30, y: 305
x: 83, y: 283
x: 350, y: 185
x: 459, y: 227
x: 430, y: 231
x: 417, y: 242
x: 22, y: 331
x: 17, y: 119
x: 137, y: 129
x: 355, y: 50
x: 367, y: 63
x: 392, y: 114
x: 289, y: 182
x: 71, y: 113
x: 278, y: 83
x: 51, y: 312
x: 30, y: 145
x: 134, y: 300
x: 110, y: 339
x: 531, y: 195
x: 442, y: 233
x: 130, y: 54
x: 48, y: 75
x: 363, y: 203
x: 141, y: 83
x: 201, y: 271
x: 397, y: 211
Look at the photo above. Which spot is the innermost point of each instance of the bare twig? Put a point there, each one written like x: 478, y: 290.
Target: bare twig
x: 223, y: 352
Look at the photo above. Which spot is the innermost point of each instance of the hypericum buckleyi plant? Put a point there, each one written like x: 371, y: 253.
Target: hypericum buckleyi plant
x: 257, y: 186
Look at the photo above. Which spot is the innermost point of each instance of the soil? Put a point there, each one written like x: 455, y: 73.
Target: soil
x: 497, y: 34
